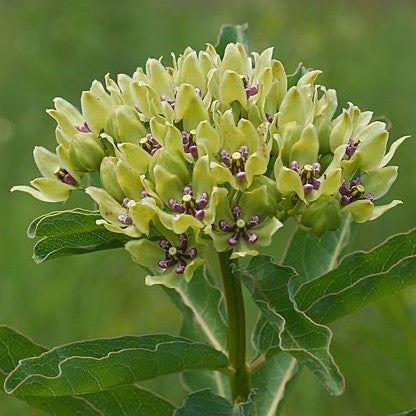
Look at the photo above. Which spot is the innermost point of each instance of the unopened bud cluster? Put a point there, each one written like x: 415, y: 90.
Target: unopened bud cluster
x: 214, y: 154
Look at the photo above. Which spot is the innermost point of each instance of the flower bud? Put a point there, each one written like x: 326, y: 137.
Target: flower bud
x: 108, y: 176
x: 86, y: 152
x: 322, y: 215
x: 124, y: 125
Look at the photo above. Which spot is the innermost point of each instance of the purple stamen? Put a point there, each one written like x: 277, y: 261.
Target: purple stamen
x: 198, y: 91
x: 176, y: 255
x: 125, y: 202
x: 308, y: 175
x: 189, y: 143
x: 69, y: 180
x: 269, y: 118
x: 252, y: 90
x: 355, y: 192
x: 236, y: 162
x: 240, y: 227
x: 64, y: 176
x: 168, y: 100
x: 149, y: 144
x: 144, y: 194
x: 189, y: 204
x: 84, y: 128
x: 125, y: 219
x: 351, y: 148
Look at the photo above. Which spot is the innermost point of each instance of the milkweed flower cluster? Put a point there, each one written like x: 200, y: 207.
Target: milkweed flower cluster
x: 214, y: 154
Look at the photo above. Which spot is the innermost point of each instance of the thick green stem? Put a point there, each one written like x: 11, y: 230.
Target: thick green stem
x: 236, y: 330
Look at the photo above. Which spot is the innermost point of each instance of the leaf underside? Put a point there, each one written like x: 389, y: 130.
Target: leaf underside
x: 64, y: 233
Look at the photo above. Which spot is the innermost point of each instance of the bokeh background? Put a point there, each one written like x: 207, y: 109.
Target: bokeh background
x: 54, y: 48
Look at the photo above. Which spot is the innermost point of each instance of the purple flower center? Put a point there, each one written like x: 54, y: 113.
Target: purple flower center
x: 252, y: 89
x: 354, y: 192
x: 65, y: 177
x: 176, y: 255
x: 351, y: 148
x: 236, y: 163
x: 307, y: 175
x: 240, y: 227
x: 189, y: 142
x: 84, y: 128
x: 149, y: 144
x: 125, y: 219
x: 189, y: 204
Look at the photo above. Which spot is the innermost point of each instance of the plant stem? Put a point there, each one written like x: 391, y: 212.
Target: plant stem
x: 236, y: 330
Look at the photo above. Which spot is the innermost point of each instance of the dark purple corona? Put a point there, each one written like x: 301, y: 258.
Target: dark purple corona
x: 176, y: 255
x: 189, y: 204
x: 307, y: 175
x: 65, y: 177
x: 240, y: 227
x: 236, y: 163
x: 189, y: 142
x: 354, y: 192
x: 84, y: 128
x: 149, y: 144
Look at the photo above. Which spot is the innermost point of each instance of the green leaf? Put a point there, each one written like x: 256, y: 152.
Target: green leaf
x: 125, y: 400
x: 312, y: 256
x: 408, y: 413
x: 14, y: 347
x: 271, y: 382
x: 231, y: 34
x: 199, y: 302
x: 361, y: 278
x: 206, y: 403
x: 71, y: 232
x: 96, y: 365
x: 299, y: 335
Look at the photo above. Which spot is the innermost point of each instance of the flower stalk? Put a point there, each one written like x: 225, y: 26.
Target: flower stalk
x: 236, y: 336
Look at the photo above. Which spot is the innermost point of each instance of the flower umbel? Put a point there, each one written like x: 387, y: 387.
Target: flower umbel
x: 214, y: 152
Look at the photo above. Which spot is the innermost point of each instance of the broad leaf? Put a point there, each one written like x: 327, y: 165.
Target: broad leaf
x: 71, y: 232
x: 231, y: 34
x: 206, y: 403
x: 361, y: 278
x: 312, y: 256
x: 96, y: 365
x: 407, y: 413
x: 125, y: 400
x: 271, y: 382
x: 199, y: 301
x: 299, y: 335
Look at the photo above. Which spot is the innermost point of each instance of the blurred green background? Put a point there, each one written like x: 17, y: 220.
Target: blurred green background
x: 54, y: 48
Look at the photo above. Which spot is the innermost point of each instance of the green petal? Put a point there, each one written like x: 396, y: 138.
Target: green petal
x: 142, y: 213
x: 341, y: 131
x: 46, y: 161
x: 392, y: 150
x: 379, y: 181
x: 124, y: 125
x: 202, y: 180
x: 371, y: 151
x: 361, y: 210
x: 110, y: 209
x: 136, y: 156
x: 130, y: 230
x: 289, y: 181
x: 231, y: 89
x: 168, y: 185
x: 159, y: 77
x: 189, y: 71
x: 305, y: 150
x: 221, y: 174
x: 129, y: 180
x: 207, y: 137
x: 52, y: 189
x: 189, y: 107
x: 380, y: 210
x: 95, y: 110
x: 146, y: 253
x: 235, y: 59
x: 292, y: 108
